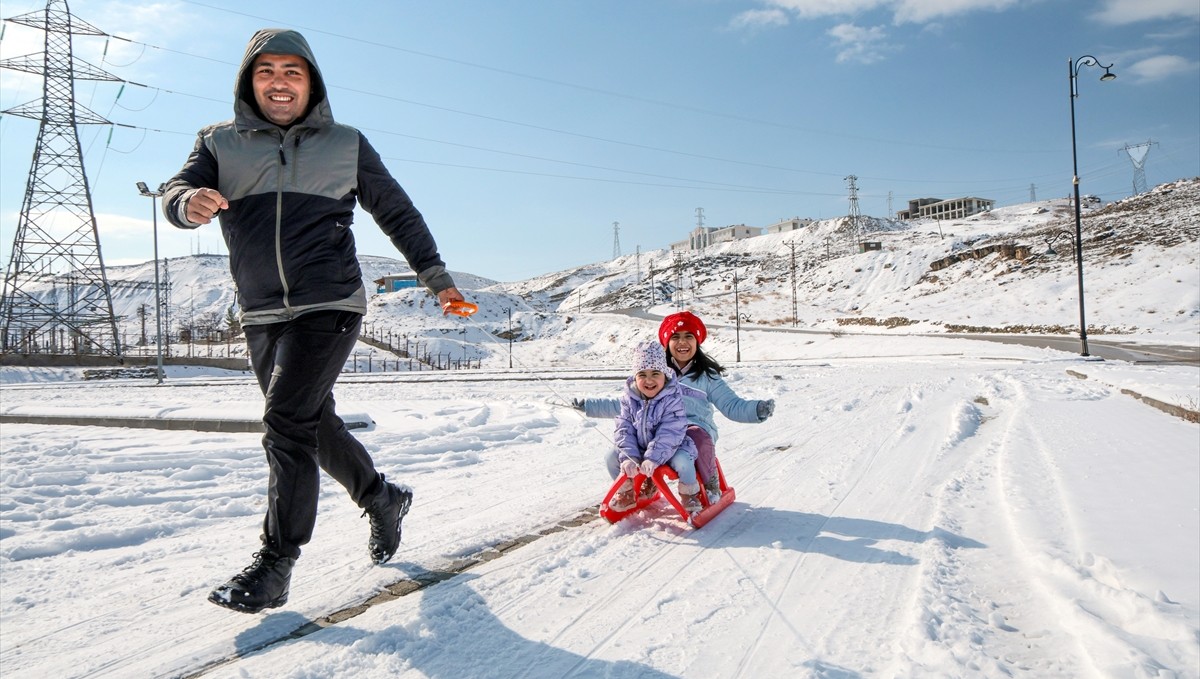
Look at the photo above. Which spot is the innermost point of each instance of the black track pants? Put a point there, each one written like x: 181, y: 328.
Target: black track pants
x: 297, y: 363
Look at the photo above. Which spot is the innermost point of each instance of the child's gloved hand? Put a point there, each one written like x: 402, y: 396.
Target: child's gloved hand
x: 648, y: 467
x: 629, y: 468
x: 578, y: 403
x: 765, y: 409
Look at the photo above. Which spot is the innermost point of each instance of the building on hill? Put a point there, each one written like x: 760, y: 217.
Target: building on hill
x: 937, y: 208
x: 785, y: 225
x: 394, y: 282
x: 704, y: 236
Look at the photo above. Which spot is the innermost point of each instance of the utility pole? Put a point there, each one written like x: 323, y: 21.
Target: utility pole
x: 679, y: 279
x: 616, y: 240
x: 795, y: 307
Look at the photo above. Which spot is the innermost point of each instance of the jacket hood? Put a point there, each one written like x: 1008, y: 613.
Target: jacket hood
x: 278, y: 41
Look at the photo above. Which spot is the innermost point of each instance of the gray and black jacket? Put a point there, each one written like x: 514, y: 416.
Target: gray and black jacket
x: 291, y: 200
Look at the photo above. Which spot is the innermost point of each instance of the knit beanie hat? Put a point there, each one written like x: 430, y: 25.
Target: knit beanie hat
x: 650, y: 356
x: 684, y: 321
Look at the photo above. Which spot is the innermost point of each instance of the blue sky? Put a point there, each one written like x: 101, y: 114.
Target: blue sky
x: 523, y: 131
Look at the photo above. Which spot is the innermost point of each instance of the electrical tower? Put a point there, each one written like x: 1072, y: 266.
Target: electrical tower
x: 616, y: 239
x: 1137, y: 156
x: 1032, y: 193
x: 854, y: 215
x: 56, y: 297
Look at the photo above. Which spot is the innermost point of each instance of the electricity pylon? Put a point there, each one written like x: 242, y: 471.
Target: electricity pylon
x: 56, y: 296
x: 1137, y: 155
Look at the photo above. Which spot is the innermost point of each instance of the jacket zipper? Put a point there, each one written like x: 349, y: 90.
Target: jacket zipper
x: 279, y: 227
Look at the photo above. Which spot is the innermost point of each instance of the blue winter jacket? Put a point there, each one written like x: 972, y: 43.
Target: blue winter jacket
x: 652, y: 429
x: 701, y: 392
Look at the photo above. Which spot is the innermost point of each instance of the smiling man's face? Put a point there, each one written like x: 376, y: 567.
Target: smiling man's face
x: 281, y: 87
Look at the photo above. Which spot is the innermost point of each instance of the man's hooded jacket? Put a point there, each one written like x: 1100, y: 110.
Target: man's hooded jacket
x: 292, y: 194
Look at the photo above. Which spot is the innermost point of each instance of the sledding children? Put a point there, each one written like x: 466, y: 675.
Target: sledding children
x: 700, y: 376
x: 651, y: 429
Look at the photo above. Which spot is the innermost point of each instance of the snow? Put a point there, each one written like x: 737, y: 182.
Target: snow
x: 921, y: 504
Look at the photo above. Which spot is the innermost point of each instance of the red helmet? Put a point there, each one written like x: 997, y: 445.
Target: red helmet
x: 684, y: 321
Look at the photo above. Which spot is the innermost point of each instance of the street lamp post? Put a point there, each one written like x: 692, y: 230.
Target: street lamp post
x: 153, y: 196
x: 1073, y: 66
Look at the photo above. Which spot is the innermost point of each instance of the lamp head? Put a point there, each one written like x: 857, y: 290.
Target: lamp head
x: 1108, y: 75
x: 143, y: 188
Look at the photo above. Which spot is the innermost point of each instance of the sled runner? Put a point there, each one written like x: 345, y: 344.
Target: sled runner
x: 662, y: 475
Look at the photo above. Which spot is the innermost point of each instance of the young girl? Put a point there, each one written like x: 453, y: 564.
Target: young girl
x: 682, y: 334
x: 651, y: 429
x: 700, y: 376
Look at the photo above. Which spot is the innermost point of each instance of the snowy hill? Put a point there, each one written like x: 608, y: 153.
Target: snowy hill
x: 994, y: 274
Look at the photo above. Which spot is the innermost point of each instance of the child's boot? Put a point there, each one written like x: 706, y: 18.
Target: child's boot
x: 648, y: 487
x: 624, y: 499
x: 713, y: 488
x: 689, y: 497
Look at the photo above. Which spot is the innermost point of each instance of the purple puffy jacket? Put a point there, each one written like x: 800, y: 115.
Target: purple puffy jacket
x: 653, y: 429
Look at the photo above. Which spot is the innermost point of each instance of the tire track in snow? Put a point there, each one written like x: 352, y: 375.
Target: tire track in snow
x: 786, y: 486
x: 1104, y: 617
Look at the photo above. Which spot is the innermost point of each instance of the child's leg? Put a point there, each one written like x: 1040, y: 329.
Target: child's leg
x: 707, y: 458
x: 613, y: 464
x: 685, y: 467
x: 688, y: 488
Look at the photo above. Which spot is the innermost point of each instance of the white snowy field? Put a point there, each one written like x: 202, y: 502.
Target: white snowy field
x: 917, y: 507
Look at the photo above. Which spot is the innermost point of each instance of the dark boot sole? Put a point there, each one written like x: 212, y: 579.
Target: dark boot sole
x: 243, y: 608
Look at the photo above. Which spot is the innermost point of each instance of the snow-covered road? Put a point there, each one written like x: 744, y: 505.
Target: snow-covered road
x: 979, y: 514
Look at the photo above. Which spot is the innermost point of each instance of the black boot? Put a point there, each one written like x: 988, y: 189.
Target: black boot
x: 263, y: 584
x: 386, y: 511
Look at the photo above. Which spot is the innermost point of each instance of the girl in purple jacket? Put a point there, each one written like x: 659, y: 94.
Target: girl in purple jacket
x: 651, y: 428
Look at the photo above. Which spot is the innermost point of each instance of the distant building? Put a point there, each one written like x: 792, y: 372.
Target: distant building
x: 396, y: 282
x: 703, y: 236
x: 793, y: 224
x: 937, y: 208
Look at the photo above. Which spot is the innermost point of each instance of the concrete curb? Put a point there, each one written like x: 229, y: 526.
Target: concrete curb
x: 1177, y: 411
x: 356, y: 421
x: 181, y: 424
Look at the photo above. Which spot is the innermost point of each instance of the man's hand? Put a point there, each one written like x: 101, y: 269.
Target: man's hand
x: 204, y: 205
x: 449, y: 295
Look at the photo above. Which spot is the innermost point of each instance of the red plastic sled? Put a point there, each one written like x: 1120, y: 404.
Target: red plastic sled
x: 662, y: 475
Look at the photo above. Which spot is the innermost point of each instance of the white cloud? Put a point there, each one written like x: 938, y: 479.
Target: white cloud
x: 1131, y: 11
x: 921, y: 11
x: 759, y: 18
x: 903, y: 11
x: 859, y: 44
x: 1160, y: 67
x: 808, y: 9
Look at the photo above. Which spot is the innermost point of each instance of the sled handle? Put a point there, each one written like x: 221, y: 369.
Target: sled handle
x: 459, y: 308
